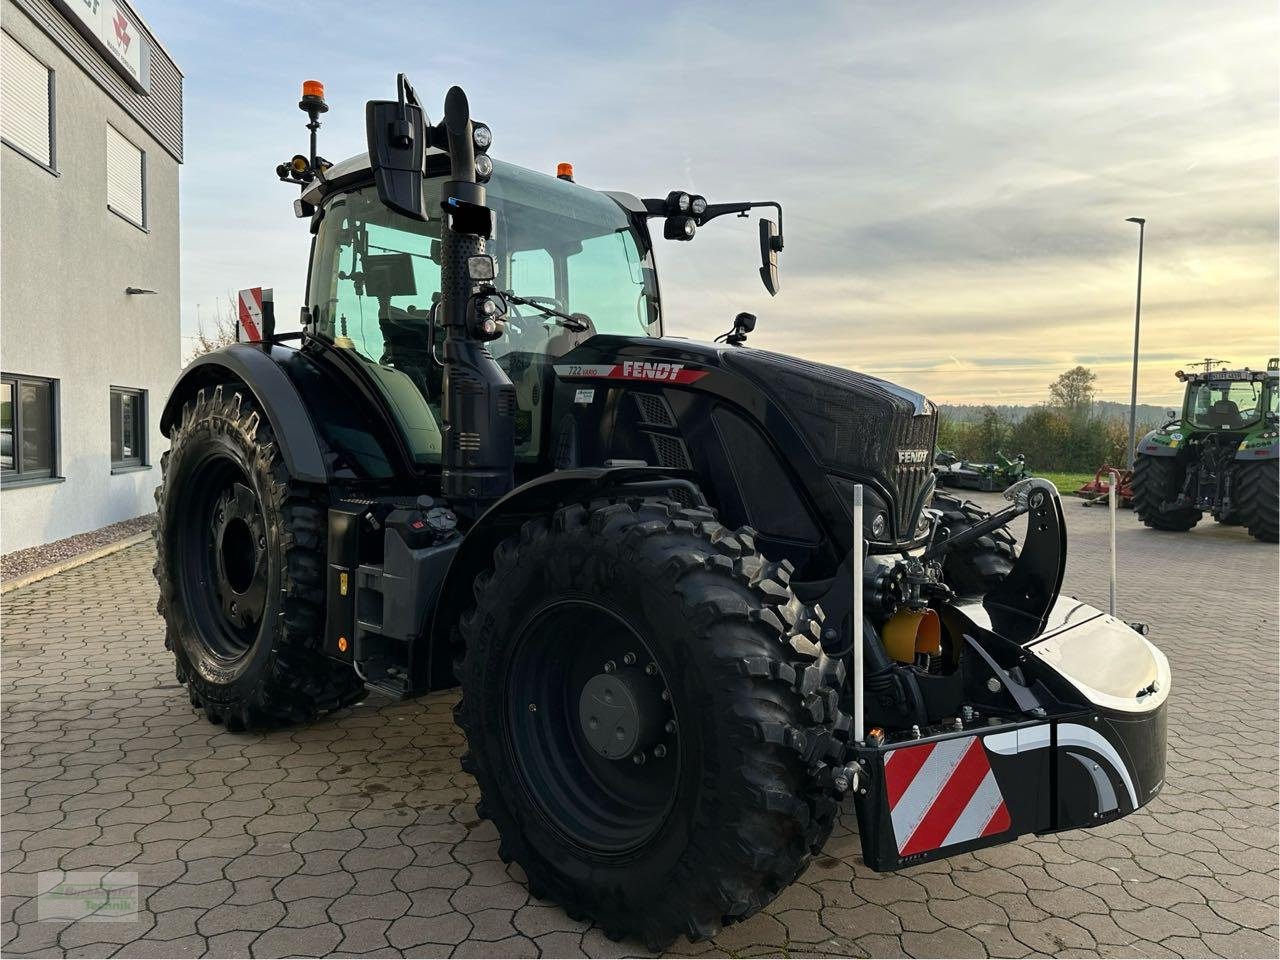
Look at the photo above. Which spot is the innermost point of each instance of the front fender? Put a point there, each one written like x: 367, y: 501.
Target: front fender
x: 504, y: 518
x: 260, y: 371
x: 1257, y: 449
x: 1157, y: 443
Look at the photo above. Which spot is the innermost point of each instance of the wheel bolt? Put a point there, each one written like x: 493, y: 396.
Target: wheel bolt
x: 610, y: 666
x: 533, y: 708
x: 670, y: 727
x: 659, y: 751
x: 233, y: 606
x: 262, y: 542
x: 629, y: 659
x: 666, y: 695
x: 651, y: 669
x: 637, y: 758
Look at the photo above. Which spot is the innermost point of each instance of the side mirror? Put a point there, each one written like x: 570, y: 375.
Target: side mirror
x: 397, y: 149
x: 1171, y: 414
x: 770, y: 244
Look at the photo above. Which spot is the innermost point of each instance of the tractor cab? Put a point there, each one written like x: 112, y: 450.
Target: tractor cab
x: 1230, y: 403
x: 568, y: 251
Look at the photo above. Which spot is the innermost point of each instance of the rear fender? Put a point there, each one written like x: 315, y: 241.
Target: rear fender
x: 259, y: 370
x: 535, y: 498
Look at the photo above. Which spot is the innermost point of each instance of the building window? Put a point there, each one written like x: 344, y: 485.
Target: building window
x: 128, y: 428
x: 28, y: 428
x: 126, y: 179
x: 26, y: 123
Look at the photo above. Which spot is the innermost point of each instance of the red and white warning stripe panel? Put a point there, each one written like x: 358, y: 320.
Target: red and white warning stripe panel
x: 655, y: 371
x: 250, y: 304
x: 941, y: 794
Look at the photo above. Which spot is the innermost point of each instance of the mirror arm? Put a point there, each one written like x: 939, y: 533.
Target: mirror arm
x: 720, y: 209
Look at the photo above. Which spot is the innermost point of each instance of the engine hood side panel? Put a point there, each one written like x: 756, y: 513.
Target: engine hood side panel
x: 857, y: 434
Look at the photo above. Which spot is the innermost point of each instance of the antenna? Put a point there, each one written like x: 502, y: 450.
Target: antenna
x: 1209, y: 363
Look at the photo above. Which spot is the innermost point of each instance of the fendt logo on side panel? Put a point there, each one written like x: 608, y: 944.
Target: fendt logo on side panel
x: 643, y: 370
x: 913, y: 456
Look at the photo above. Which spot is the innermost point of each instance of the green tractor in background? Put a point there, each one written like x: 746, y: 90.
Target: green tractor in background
x: 1221, y: 456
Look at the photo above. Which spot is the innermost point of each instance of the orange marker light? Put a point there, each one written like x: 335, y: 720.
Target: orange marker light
x: 313, y: 88
x: 564, y: 171
x: 342, y: 644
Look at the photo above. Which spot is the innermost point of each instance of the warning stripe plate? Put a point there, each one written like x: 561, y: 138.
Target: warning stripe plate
x: 942, y: 794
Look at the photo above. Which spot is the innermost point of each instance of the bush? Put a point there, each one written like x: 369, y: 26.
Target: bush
x: 1051, y: 438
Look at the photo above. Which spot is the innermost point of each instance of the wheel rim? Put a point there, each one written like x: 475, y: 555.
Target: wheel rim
x: 223, y: 573
x: 584, y: 698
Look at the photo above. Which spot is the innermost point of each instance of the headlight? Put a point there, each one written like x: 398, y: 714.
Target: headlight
x: 698, y: 205
x: 678, y: 201
x: 879, y: 525
x: 679, y: 228
x: 482, y: 136
x: 484, y: 167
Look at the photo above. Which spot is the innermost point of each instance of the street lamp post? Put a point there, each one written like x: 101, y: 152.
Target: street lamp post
x: 1137, y: 323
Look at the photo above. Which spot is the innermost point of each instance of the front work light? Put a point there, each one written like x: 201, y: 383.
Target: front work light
x: 679, y: 228
x: 678, y: 202
x: 482, y: 136
x: 698, y: 205
x: 484, y: 167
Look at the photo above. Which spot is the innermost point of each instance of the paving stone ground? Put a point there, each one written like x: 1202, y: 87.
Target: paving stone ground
x: 358, y: 835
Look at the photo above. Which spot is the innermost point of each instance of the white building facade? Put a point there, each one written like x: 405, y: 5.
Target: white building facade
x: 90, y: 337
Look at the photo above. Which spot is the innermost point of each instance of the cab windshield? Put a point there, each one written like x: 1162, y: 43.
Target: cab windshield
x: 376, y: 275
x: 1226, y: 404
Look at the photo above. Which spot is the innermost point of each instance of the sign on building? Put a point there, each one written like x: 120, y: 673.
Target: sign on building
x: 115, y: 31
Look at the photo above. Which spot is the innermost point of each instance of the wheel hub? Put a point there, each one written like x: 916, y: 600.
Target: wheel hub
x: 621, y: 712
x: 240, y: 548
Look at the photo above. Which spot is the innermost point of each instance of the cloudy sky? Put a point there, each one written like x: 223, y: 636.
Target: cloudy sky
x: 955, y: 177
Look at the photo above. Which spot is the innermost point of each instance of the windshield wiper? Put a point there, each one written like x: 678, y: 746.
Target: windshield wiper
x: 577, y: 322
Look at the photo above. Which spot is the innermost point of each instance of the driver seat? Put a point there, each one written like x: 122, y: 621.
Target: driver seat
x: 1224, y: 415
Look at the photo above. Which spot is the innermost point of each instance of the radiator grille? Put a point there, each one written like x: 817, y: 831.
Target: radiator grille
x: 856, y: 424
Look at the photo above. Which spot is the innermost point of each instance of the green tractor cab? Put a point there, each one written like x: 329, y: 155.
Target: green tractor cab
x: 1221, y: 455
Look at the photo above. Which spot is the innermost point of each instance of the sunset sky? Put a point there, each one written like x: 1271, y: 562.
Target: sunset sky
x: 955, y: 178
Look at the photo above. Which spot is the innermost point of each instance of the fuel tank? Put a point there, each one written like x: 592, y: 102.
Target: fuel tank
x: 752, y: 423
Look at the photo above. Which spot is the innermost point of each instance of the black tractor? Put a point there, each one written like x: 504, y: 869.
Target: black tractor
x: 694, y: 594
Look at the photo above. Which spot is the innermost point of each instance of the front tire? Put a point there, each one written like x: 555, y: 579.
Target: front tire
x: 240, y: 566
x: 669, y: 631
x: 1157, y: 481
x: 1257, y: 499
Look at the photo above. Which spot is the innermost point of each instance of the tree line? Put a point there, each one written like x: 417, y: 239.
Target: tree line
x: 1063, y: 434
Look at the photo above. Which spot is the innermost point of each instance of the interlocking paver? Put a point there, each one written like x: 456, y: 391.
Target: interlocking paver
x: 358, y: 835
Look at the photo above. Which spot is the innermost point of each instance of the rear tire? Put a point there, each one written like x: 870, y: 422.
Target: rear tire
x: 1157, y: 481
x: 240, y: 565
x: 711, y: 828
x: 1257, y: 499
x: 976, y: 569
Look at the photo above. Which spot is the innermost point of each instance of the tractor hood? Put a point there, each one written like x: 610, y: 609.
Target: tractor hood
x: 832, y: 426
